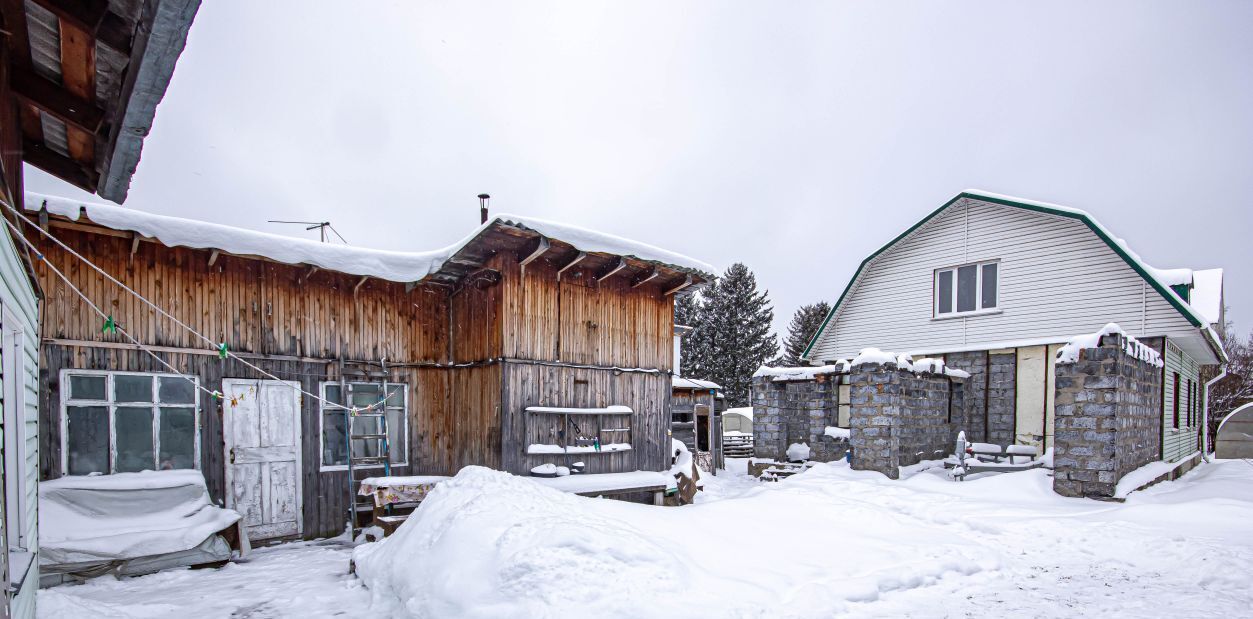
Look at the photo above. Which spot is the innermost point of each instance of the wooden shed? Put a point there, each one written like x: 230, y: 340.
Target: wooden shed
x: 459, y: 342
x: 696, y: 419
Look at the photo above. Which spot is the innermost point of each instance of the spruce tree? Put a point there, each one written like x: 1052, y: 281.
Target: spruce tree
x: 734, y: 337
x: 805, y: 323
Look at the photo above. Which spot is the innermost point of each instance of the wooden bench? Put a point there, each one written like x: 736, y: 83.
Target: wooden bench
x: 991, y: 458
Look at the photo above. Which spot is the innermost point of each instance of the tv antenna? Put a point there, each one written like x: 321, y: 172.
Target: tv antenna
x: 320, y: 226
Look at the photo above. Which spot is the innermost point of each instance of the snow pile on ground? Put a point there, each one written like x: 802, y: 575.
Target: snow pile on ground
x: 391, y: 265
x: 489, y: 544
x: 1070, y: 352
x: 797, y: 452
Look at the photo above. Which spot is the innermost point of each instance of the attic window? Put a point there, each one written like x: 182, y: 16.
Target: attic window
x: 966, y: 289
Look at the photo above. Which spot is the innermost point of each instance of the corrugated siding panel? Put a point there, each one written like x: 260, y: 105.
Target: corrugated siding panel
x: 1057, y: 279
x: 1177, y: 443
x: 17, y: 294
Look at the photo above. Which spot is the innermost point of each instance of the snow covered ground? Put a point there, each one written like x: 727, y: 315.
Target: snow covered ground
x: 830, y: 541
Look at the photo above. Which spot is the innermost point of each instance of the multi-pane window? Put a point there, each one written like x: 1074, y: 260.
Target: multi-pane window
x: 121, y: 422
x: 362, y: 395
x: 966, y: 289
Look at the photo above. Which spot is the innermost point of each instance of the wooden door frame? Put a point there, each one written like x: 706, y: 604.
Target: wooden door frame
x: 300, y: 435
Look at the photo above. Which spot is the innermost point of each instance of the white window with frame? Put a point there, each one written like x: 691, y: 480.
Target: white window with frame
x: 334, y: 439
x: 122, y: 422
x: 967, y: 289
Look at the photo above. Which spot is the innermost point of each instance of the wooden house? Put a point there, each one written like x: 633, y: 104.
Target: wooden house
x: 79, y: 87
x: 996, y: 285
x: 696, y: 419
x: 459, y: 342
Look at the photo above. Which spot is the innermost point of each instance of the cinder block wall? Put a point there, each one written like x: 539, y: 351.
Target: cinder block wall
x: 798, y: 411
x: 990, y: 394
x: 899, y: 418
x: 1108, y: 419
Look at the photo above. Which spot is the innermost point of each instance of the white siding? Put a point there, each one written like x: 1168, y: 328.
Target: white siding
x: 18, y: 296
x: 1057, y: 279
x: 1177, y: 443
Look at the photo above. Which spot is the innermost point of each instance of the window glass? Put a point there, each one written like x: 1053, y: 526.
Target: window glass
x: 87, y: 439
x: 989, y: 286
x: 87, y: 387
x: 178, y: 438
x: 134, y: 439
x: 333, y: 445
x: 366, y: 394
x: 395, y: 435
x: 332, y: 394
x: 127, y: 388
x: 967, y: 284
x: 395, y: 396
x: 945, y: 293
x: 177, y: 390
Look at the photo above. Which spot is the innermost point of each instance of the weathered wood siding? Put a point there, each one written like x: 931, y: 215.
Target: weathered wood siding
x: 1057, y: 279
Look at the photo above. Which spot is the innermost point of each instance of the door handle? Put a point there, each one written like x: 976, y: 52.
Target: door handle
x: 232, y: 455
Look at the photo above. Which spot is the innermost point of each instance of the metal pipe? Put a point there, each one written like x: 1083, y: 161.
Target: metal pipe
x: 1205, y: 412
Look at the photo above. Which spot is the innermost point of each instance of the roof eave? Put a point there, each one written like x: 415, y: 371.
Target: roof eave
x: 156, y: 51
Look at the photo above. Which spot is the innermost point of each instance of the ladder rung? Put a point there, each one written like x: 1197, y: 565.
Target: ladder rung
x: 356, y: 436
x: 370, y: 459
x: 370, y: 414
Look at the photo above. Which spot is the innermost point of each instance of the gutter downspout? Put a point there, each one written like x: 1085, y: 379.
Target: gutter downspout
x: 1205, y: 412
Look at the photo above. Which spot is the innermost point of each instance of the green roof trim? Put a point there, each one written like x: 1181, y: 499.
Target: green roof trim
x: 1192, y: 317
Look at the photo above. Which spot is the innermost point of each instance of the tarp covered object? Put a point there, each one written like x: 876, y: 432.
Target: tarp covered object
x: 135, y: 522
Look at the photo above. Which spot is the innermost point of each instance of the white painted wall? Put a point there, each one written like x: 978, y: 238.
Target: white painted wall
x: 21, y: 309
x: 1057, y: 278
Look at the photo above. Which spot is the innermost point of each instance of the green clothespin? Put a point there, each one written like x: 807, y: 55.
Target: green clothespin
x: 110, y: 325
x: 217, y: 395
x: 223, y: 351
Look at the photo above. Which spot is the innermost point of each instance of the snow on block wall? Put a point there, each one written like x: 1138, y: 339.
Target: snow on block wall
x: 899, y: 416
x: 1108, y: 416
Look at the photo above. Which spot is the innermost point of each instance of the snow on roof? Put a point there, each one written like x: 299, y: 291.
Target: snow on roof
x: 800, y: 373
x: 679, y: 382
x: 396, y: 266
x: 1207, y: 294
x: 744, y: 411
x: 1070, y: 352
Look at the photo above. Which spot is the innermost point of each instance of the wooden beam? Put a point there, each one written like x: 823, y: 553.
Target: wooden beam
x: 134, y: 245
x: 213, y: 256
x: 541, y: 245
x: 610, y: 269
x: 645, y: 277
x: 60, y: 166
x: 304, y: 277
x: 687, y: 281
x: 78, y: 77
x: 18, y: 37
x: 577, y: 259
x: 115, y: 33
x: 360, y: 283
x: 57, y: 101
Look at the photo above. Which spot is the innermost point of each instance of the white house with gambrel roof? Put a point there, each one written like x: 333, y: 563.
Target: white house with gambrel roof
x: 997, y: 284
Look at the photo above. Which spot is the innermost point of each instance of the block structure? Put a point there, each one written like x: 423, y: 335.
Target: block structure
x: 899, y: 417
x: 796, y: 411
x: 1108, y: 419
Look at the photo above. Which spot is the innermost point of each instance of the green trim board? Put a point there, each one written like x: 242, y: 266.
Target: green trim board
x: 1140, y: 268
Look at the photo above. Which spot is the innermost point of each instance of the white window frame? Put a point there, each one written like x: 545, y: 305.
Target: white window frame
x: 935, y: 290
x: 15, y: 437
x: 108, y: 403
x: 323, y: 406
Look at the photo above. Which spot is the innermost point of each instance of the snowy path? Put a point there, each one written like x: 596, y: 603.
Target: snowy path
x: 829, y: 542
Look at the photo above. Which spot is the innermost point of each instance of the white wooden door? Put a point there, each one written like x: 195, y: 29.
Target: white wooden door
x: 261, y: 425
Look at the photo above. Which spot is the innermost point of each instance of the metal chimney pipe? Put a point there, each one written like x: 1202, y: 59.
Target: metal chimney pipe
x: 483, y: 198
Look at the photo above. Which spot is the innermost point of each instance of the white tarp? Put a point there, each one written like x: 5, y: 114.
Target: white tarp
x: 92, y: 522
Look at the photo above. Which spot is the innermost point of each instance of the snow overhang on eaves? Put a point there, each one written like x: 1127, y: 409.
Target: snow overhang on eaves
x: 1144, y: 270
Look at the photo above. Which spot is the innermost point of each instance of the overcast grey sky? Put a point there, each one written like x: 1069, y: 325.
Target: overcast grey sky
x: 795, y: 137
